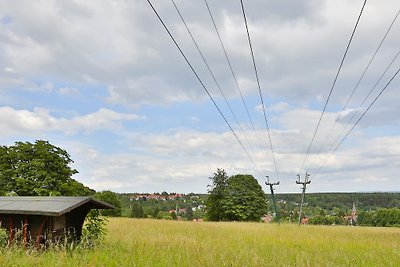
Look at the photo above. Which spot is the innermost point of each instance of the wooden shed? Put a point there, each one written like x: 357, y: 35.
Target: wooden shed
x: 37, y: 218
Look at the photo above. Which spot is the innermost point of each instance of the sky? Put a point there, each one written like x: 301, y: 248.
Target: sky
x: 104, y: 81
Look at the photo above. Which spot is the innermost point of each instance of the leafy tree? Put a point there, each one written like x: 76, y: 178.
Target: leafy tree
x: 38, y: 169
x: 237, y: 198
x: 137, y: 210
x: 111, y: 198
x: 244, y: 199
x: 189, y: 213
x: 155, y: 212
x: 215, y: 211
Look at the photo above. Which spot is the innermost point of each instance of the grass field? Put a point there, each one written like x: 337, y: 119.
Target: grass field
x: 132, y: 242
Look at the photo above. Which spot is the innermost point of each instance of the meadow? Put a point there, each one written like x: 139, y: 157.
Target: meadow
x: 144, y: 242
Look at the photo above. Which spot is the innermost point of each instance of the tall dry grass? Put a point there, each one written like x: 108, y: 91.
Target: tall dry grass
x: 133, y: 242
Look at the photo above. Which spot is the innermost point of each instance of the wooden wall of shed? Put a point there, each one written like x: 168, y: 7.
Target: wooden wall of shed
x: 75, y: 218
x: 47, y: 225
x: 14, y: 223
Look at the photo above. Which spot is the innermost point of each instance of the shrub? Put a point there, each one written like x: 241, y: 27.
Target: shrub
x: 93, y: 230
x: 3, y: 237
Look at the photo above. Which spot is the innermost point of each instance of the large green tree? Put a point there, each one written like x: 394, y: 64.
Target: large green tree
x: 38, y: 169
x: 244, y: 199
x: 235, y: 198
x: 215, y: 211
x: 111, y: 198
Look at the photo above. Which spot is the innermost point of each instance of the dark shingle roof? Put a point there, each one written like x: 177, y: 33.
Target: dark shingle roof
x: 49, y: 206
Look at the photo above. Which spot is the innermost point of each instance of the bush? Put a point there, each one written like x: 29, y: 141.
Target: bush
x: 3, y: 237
x: 93, y: 230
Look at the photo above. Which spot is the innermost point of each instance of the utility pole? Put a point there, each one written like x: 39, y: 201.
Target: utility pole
x: 304, y: 183
x: 271, y: 186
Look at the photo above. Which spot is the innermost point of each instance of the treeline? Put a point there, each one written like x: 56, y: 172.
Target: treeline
x: 344, y: 201
x: 316, y: 203
x: 380, y: 217
x: 371, y: 209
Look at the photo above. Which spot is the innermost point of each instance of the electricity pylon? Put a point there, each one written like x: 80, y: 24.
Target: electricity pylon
x: 304, y: 183
x: 271, y: 186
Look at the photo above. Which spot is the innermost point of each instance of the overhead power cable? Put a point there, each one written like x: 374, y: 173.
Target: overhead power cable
x: 359, y: 119
x: 210, y: 71
x: 359, y: 108
x: 380, y: 78
x: 358, y: 83
x: 333, y: 86
x: 259, y: 87
x: 208, y: 66
x: 230, y: 65
x: 231, y: 69
x: 372, y: 59
x: 200, y: 81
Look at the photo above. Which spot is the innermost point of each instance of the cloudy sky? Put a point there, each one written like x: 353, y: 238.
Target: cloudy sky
x: 103, y: 80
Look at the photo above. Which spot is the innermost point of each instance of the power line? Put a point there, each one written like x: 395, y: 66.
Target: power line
x: 359, y: 119
x: 210, y: 71
x: 362, y: 104
x: 360, y: 107
x: 259, y: 87
x: 372, y: 58
x: 199, y: 80
x: 232, y: 72
x: 208, y: 67
x: 380, y: 78
x: 333, y: 85
x: 358, y: 82
x: 230, y: 65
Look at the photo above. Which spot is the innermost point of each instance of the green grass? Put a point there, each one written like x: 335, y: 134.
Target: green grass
x: 133, y: 242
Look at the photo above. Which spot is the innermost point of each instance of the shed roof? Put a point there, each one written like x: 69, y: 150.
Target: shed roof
x: 49, y: 206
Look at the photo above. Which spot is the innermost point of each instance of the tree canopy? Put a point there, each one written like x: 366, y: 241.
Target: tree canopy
x: 111, y: 198
x: 38, y: 169
x: 237, y: 198
x: 215, y: 211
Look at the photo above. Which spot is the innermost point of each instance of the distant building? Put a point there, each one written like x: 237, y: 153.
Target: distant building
x: 40, y: 218
x: 352, y: 219
x: 304, y: 220
x: 267, y: 218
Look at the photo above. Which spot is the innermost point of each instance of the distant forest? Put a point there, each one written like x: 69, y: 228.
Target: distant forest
x: 371, y: 209
x: 344, y: 201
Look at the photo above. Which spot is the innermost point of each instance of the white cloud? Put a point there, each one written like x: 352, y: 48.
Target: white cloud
x: 297, y: 52
x: 278, y: 107
x: 40, y: 120
x: 69, y: 91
